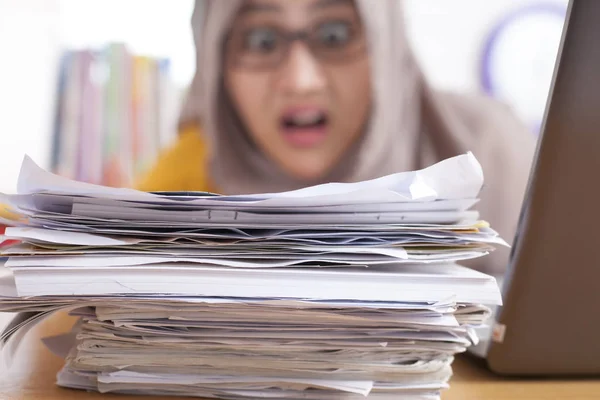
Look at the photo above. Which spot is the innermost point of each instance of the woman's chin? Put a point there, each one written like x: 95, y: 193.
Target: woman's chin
x: 310, y: 173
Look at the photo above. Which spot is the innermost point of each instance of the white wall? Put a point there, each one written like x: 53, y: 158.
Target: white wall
x: 28, y: 59
x: 447, y: 36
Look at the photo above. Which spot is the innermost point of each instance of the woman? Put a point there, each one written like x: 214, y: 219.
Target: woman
x: 295, y: 93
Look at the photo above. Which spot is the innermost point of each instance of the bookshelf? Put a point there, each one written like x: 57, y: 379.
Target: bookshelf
x: 115, y: 110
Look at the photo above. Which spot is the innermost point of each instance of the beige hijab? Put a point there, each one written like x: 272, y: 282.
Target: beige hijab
x: 411, y: 125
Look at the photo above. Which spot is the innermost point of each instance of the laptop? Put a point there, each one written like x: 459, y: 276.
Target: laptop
x: 549, y: 324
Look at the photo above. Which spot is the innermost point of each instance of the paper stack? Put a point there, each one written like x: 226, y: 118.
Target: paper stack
x: 333, y: 291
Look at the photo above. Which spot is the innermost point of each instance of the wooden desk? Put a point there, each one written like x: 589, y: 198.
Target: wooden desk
x: 32, y: 376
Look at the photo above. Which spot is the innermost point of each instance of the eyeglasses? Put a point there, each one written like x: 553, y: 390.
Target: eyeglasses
x: 266, y: 47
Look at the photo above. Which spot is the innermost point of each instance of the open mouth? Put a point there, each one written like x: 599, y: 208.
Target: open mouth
x: 305, y: 120
x: 305, y: 128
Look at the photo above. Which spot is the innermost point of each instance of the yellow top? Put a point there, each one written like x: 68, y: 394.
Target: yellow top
x: 181, y: 167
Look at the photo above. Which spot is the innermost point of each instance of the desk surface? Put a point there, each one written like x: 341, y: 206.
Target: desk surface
x: 32, y: 376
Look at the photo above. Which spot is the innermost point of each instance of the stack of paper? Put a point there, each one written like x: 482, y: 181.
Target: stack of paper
x: 333, y: 291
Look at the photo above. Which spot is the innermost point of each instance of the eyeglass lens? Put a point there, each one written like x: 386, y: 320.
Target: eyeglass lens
x: 268, y: 46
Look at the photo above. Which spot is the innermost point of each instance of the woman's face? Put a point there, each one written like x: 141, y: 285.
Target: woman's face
x: 298, y: 75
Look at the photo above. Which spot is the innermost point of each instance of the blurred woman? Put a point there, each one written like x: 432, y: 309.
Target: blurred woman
x: 295, y: 93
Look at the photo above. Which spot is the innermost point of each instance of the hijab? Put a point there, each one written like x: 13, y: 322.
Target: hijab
x: 411, y: 125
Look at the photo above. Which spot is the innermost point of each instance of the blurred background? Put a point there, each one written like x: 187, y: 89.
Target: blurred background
x: 77, y: 75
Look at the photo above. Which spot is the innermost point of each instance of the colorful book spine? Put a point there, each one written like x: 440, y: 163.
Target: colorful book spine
x: 114, y: 112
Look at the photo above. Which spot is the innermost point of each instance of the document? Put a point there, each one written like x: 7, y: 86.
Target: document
x: 343, y: 290
x: 459, y: 177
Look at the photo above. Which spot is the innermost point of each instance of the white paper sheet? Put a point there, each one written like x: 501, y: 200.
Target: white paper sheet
x: 408, y: 283
x: 455, y: 178
x: 359, y: 387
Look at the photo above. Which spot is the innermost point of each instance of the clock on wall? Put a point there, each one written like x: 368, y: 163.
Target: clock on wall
x: 519, y: 57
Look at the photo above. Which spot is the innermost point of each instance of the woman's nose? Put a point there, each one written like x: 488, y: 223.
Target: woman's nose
x: 301, y: 73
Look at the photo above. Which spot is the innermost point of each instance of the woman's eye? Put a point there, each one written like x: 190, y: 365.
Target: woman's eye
x: 261, y: 39
x: 334, y: 34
